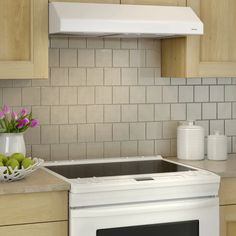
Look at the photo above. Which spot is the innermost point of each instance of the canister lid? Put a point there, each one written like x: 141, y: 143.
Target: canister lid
x: 216, y: 135
x: 190, y: 125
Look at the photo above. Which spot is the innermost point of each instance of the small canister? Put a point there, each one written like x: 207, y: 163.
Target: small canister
x: 217, y: 147
x: 190, y: 141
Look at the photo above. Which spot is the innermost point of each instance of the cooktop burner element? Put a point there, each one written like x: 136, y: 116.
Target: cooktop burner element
x: 117, y: 168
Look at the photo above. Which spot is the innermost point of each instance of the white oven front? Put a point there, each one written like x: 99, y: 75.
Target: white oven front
x: 191, y: 217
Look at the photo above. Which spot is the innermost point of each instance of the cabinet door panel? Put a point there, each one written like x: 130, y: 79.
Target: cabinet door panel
x: 218, y: 41
x: 228, y: 220
x: 33, y: 208
x: 88, y: 1
x: 15, y: 35
x: 43, y: 229
x: 156, y: 2
x: 24, y: 39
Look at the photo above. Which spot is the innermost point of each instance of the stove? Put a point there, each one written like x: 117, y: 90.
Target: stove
x: 105, y: 193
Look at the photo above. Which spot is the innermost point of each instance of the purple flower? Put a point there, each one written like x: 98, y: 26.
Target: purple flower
x: 20, y: 124
x: 5, y: 109
x: 14, y: 115
x: 2, y: 115
x: 24, y: 111
x: 25, y: 121
x: 33, y: 123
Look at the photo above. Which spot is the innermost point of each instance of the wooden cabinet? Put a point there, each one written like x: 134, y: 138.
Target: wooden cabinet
x: 228, y: 207
x: 156, y: 2
x: 88, y: 1
x: 38, y: 214
x: 210, y: 55
x: 23, y: 39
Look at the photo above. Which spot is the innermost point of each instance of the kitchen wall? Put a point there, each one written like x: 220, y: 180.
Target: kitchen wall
x: 105, y: 98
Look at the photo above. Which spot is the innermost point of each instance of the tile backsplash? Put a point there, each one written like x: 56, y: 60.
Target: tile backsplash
x: 105, y: 98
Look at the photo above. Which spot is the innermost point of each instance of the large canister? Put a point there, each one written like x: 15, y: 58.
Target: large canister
x: 190, y: 141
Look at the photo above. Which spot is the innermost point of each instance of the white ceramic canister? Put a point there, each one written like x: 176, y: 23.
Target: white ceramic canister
x: 217, y: 147
x: 190, y: 141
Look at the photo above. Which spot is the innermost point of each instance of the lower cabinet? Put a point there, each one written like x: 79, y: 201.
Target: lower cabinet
x: 36, y: 214
x: 228, y: 207
x: 41, y: 229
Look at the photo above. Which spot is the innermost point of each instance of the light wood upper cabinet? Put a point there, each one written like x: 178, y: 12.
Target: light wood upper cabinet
x: 156, y: 2
x: 210, y: 55
x: 24, y: 39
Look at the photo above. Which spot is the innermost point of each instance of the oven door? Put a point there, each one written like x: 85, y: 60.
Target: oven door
x: 193, y: 217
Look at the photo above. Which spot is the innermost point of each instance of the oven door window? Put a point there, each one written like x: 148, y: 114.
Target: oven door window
x: 186, y: 228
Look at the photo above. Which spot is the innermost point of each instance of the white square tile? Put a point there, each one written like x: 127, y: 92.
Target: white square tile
x: 154, y: 130
x: 129, y: 113
x: 137, y: 94
x: 137, y: 131
x: 121, y: 58
x: 162, y: 112
x: 201, y: 93
x: 154, y: 94
x: 95, y: 113
x: 146, y: 76
x: 112, y: 76
x: 86, y: 133
x: 170, y: 129
x: 94, y: 150
x: 137, y: 58
x: 129, y: 43
x: 163, y: 147
x: 31, y: 96
x: 59, y: 152
x: 129, y: 148
x: 170, y: 94
x: 120, y: 131
x: 230, y: 94
x: 86, y: 58
x: 86, y: 95
x: 120, y: 95
x: 146, y: 147
x: 59, y: 115
x: 68, y: 96
x: 194, y: 111
x: 112, y: 149
x: 185, y: 93
x: 146, y: 112
x: 103, y: 95
x: 103, y: 57
x: 219, y: 125
x: 224, y: 111
x: 230, y: 127
x: 112, y: 113
x: 209, y: 110
x: 68, y: 57
x: 77, y: 151
x: 59, y: 77
x: 103, y: 132
x: 95, y: 76
x: 50, y: 96
x: 77, y: 114
x: 129, y: 76
x: 68, y: 134
x: 216, y: 93
x: 77, y: 76
x: 178, y: 112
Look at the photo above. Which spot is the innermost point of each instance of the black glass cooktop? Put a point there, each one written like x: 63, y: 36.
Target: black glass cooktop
x: 116, y: 169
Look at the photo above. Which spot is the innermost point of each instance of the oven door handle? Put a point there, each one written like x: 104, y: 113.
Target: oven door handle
x: 142, y: 208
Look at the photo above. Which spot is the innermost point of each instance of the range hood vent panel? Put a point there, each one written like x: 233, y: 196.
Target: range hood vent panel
x: 114, y: 20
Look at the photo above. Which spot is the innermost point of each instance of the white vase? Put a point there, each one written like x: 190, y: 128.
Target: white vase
x: 12, y: 143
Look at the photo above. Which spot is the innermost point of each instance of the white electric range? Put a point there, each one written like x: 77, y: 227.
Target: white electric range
x: 139, y: 196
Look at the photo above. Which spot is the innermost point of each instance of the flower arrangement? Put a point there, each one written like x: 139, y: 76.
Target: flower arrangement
x: 13, y: 122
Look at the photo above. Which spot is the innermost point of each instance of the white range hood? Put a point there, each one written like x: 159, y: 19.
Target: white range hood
x: 115, y: 20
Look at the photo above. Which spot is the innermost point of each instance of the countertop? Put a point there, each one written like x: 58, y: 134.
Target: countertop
x: 39, y: 181
x: 222, y: 168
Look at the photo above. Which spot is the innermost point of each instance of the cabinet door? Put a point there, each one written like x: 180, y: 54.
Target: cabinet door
x: 156, y: 2
x: 24, y: 39
x: 228, y: 220
x: 88, y: 1
x: 42, y: 229
x: 210, y: 55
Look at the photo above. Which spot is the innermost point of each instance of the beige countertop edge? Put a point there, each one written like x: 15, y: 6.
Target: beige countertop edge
x: 225, y: 169
x: 39, y: 181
